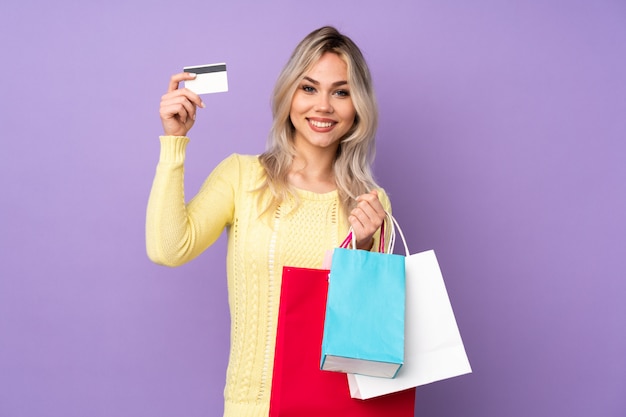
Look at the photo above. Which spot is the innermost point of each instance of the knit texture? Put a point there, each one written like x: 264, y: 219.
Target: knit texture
x: 258, y: 248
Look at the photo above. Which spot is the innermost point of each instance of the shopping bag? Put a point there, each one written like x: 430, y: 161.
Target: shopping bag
x: 299, y: 387
x: 434, y: 349
x: 364, y: 325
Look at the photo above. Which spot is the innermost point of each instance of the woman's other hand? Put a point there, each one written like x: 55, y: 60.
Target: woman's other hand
x: 178, y: 106
x: 366, y: 218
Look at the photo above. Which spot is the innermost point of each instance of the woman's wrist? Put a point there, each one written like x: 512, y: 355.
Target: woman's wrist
x: 366, y: 245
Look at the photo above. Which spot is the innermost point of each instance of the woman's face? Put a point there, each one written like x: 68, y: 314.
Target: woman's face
x: 322, y: 111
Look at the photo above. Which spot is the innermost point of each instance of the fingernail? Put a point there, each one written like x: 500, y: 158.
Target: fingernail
x: 192, y: 74
x: 202, y: 104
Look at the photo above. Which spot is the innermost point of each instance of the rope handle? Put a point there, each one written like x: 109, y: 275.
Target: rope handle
x: 348, y: 239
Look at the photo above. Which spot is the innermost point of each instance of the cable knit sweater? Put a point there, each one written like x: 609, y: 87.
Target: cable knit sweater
x: 177, y: 232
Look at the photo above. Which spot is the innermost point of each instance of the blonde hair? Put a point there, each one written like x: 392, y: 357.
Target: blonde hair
x: 352, y: 166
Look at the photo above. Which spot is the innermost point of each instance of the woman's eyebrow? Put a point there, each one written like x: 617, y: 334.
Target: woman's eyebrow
x: 335, y: 84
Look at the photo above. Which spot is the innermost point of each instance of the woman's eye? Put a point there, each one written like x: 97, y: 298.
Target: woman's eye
x: 342, y: 93
x: 308, y: 89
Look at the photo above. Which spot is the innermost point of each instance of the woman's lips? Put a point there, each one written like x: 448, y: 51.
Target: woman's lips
x: 321, y: 125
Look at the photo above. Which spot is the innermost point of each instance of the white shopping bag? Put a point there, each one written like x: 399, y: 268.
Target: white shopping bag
x: 433, y: 346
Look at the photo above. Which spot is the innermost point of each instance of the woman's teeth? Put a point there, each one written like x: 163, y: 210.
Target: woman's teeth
x: 321, y: 124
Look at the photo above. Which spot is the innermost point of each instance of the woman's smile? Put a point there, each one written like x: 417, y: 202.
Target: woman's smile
x: 321, y: 125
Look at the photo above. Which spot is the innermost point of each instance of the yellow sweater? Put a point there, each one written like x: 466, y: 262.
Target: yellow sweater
x: 177, y: 232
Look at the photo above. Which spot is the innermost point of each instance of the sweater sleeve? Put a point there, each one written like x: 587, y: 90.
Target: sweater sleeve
x: 176, y: 231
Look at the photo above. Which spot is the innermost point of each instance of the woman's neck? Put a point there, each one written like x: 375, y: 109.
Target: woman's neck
x: 314, y: 173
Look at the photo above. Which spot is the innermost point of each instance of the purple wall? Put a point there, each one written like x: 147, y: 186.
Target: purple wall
x: 502, y: 143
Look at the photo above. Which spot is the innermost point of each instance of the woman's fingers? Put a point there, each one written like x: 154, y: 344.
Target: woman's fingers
x: 178, y: 106
x: 177, y: 78
x: 369, y: 209
x: 174, y: 91
x: 366, y: 218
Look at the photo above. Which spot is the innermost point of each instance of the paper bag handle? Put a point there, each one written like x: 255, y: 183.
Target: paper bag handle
x: 381, y: 246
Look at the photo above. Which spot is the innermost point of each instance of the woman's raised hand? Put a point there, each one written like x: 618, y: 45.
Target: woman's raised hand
x: 178, y: 106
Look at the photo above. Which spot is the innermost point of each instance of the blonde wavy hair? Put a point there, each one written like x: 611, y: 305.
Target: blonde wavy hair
x: 352, y: 166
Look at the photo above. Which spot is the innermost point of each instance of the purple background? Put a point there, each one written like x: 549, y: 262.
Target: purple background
x: 502, y: 144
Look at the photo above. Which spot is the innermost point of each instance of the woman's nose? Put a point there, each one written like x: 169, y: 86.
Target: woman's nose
x: 324, y: 104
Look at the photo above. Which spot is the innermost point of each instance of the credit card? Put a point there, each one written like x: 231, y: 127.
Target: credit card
x: 209, y: 79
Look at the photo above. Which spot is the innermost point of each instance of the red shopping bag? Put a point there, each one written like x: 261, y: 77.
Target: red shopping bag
x: 299, y: 387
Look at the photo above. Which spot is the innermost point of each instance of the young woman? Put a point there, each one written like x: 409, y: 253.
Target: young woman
x: 287, y: 206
